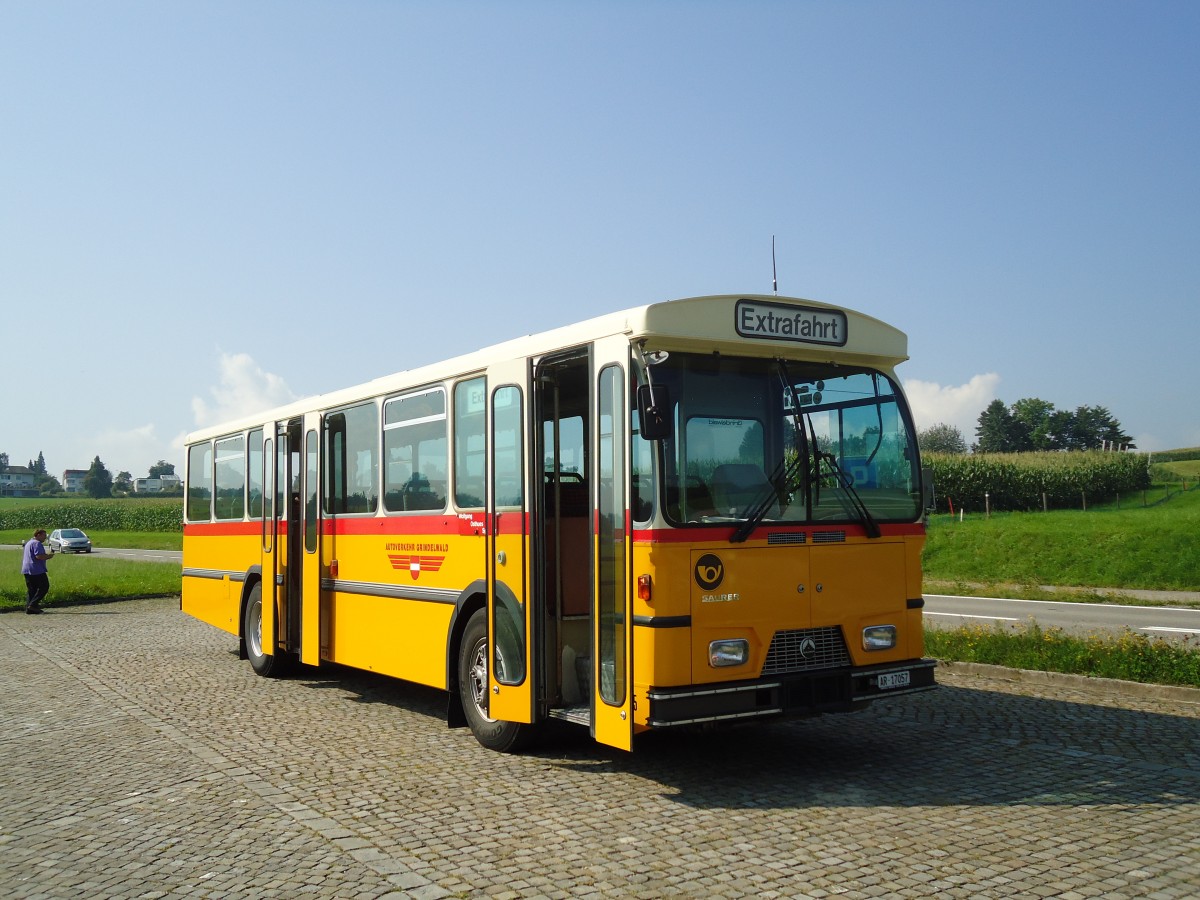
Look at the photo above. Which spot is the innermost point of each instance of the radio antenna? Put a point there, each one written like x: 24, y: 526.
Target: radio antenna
x: 774, y: 276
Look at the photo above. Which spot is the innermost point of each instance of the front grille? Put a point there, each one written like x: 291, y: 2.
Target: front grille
x: 806, y: 650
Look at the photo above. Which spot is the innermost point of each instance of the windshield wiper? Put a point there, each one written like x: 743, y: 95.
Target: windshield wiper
x: 846, y: 482
x: 781, y: 481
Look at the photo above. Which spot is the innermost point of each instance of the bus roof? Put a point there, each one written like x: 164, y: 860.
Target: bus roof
x: 735, y: 324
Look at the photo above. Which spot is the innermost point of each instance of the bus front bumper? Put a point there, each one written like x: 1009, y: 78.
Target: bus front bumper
x: 802, y: 694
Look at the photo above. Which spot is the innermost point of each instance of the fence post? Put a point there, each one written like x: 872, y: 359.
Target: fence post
x: 987, y: 505
x: 1045, y: 505
x: 1083, y: 494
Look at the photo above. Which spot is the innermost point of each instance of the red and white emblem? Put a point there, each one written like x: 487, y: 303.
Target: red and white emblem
x: 416, y: 564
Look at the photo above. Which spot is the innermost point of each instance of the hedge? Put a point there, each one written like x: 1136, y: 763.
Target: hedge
x: 1019, y: 481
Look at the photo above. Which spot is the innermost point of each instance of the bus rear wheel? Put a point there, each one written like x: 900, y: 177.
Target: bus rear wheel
x: 267, y: 665
x: 504, y: 737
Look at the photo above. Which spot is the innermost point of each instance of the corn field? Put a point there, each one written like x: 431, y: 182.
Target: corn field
x: 1027, y: 481
x: 100, y: 515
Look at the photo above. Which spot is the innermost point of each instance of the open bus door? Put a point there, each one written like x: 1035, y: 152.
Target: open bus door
x: 511, y: 678
x: 269, y: 583
x: 289, y: 548
x: 308, y: 586
x: 612, y: 599
x: 283, y: 555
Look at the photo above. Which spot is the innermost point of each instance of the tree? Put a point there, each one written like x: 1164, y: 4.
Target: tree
x: 47, y: 485
x: 98, y: 480
x: 995, y: 429
x: 941, y: 438
x: 1094, y: 427
x: 39, y: 467
x: 1031, y: 417
x: 1034, y: 424
x: 1060, y: 427
x: 123, y: 483
x: 162, y: 467
x: 1114, y: 435
x: 3, y: 462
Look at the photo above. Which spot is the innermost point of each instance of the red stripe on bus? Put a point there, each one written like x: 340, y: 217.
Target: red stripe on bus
x: 222, y: 528
x: 386, y: 525
x: 699, y: 535
x: 443, y: 524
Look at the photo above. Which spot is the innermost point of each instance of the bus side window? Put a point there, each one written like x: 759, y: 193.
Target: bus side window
x: 414, y: 450
x: 469, y: 442
x: 641, y: 499
x: 199, y: 482
x: 642, y: 504
x: 230, y: 486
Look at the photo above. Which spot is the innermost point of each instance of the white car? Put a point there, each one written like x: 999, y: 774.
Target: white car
x: 72, y: 539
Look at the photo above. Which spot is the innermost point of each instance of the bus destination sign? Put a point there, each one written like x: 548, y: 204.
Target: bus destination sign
x: 764, y: 320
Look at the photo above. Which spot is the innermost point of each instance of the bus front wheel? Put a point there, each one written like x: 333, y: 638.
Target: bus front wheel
x: 267, y: 665
x: 504, y: 737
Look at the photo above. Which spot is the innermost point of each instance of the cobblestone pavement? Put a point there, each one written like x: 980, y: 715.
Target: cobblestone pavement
x: 143, y: 759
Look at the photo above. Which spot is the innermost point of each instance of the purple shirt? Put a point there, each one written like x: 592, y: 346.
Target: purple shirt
x: 30, y: 565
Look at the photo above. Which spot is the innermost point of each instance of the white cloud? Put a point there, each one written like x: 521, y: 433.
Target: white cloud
x: 956, y: 405
x: 242, y: 390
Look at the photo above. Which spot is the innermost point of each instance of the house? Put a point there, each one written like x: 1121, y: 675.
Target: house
x: 156, y: 485
x: 147, y: 485
x: 18, y: 481
x: 72, y: 480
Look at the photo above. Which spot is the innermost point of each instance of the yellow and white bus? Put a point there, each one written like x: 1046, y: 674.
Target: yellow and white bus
x: 701, y: 511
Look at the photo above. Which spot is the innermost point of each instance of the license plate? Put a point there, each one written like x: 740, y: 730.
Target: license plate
x: 891, y: 680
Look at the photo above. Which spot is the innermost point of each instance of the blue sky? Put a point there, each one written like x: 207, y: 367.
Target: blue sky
x: 211, y: 207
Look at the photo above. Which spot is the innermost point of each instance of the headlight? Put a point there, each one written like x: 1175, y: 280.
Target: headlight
x: 879, y: 637
x: 728, y: 653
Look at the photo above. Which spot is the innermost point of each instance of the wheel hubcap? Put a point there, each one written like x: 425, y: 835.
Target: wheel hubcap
x: 254, y: 632
x: 478, y: 676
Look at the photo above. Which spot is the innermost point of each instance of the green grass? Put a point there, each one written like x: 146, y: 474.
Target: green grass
x: 1127, y: 547
x: 1150, y: 548
x: 127, y: 540
x: 1128, y: 657
x: 88, y: 579
x: 1182, y: 469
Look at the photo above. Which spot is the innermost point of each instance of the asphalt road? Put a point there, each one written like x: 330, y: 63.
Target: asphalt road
x: 175, y: 556
x: 1169, y: 623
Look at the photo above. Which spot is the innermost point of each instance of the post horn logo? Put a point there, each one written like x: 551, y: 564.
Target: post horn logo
x: 709, y: 571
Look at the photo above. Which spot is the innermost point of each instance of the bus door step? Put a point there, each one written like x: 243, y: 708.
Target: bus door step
x: 580, y: 715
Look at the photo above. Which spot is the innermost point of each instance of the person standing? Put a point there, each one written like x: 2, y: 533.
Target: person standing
x: 33, y: 567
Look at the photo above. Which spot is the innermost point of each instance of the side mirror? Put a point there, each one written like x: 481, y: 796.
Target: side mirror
x: 654, y: 404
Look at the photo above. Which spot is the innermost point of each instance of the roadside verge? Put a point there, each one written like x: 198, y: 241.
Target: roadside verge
x: 1058, y: 679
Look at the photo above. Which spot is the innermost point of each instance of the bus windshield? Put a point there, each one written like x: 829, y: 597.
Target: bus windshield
x: 772, y: 441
